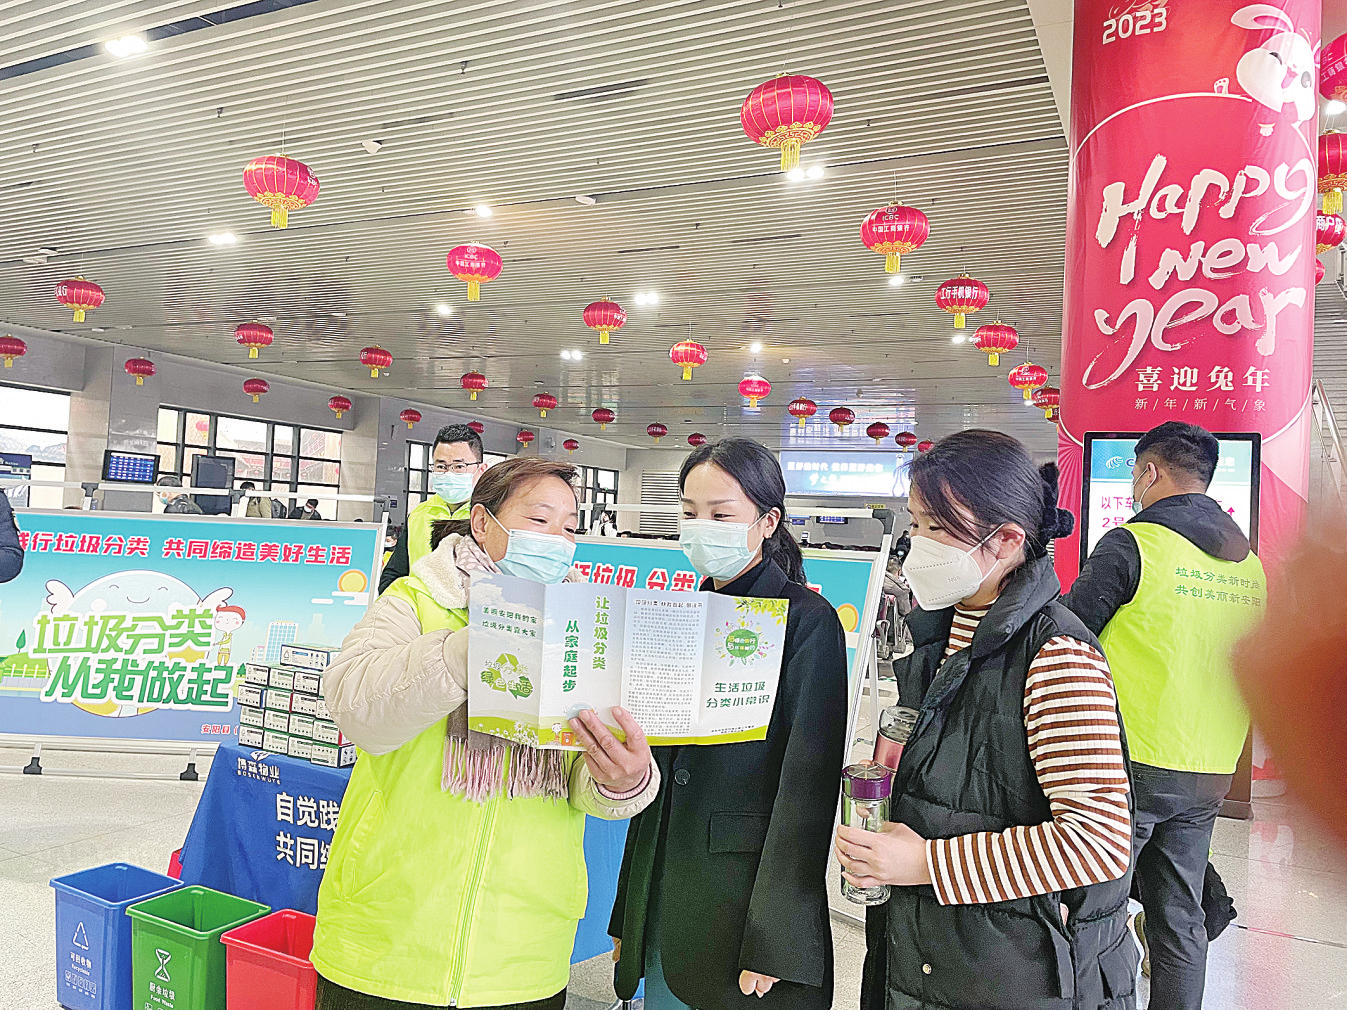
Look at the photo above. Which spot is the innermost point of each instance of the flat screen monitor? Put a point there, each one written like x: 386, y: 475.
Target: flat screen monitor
x: 213, y: 471
x: 845, y: 474
x: 838, y: 520
x: 130, y: 467
x: 1107, y: 499
x: 16, y: 466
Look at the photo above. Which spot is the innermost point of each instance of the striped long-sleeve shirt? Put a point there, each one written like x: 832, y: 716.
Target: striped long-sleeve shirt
x: 1070, y: 715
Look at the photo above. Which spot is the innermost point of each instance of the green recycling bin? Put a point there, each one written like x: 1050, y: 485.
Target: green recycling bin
x: 177, y: 959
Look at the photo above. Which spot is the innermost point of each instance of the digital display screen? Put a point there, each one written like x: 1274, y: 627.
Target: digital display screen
x: 848, y: 474
x: 1108, y: 487
x: 130, y: 467
x: 839, y: 520
x: 16, y: 466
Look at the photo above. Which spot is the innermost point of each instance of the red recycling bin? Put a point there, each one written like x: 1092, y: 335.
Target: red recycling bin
x: 267, y: 963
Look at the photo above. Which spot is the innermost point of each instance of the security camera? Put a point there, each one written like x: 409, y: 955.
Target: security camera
x: 372, y: 146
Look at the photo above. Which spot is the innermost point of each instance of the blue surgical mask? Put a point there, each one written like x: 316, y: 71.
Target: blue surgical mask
x: 542, y: 557
x: 716, y: 549
x: 452, y: 487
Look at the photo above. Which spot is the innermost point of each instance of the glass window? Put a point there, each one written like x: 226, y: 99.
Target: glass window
x: 416, y: 481
x: 282, y: 468
x: 33, y: 408
x: 236, y: 433
x: 417, y: 457
x: 198, y: 429
x: 315, y: 471
x: 247, y: 465
x: 168, y: 424
x: 47, y: 497
x: 285, y: 439
x: 320, y: 444
x: 607, y: 479
x: 44, y: 446
x: 168, y: 459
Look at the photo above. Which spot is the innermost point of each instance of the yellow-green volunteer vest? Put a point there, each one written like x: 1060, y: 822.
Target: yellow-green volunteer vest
x: 419, y: 521
x: 1169, y: 649
x: 430, y: 898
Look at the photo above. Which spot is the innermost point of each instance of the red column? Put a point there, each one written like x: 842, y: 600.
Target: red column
x: 1190, y: 235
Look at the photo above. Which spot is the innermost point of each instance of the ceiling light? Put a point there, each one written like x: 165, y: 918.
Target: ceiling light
x: 577, y: 355
x: 756, y: 347
x: 785, y: 361
x: 796, y: 174
x: 895, y: 280
x: 37, y: 260
x: 127, y: 45
x: 372, y: 146
x: 958, y: 338
x: 222, y: 238
x: 814, y: 172
x: 1334, y: 107
x: 444, y: 309
x: 483, y: 210
x: 565, y: 355
x: 651, y: 298
x: 99, y: 329
x: 47, y: 250
x: 588, y: 201
x: 339, y: 315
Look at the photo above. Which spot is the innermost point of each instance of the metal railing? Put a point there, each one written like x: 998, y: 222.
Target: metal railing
x: 1330, y: 436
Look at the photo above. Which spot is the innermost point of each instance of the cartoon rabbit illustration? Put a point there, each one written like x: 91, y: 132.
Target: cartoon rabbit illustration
x: 1281, y: 71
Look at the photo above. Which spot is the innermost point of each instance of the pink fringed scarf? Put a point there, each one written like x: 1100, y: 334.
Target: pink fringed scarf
x: 475, y: 763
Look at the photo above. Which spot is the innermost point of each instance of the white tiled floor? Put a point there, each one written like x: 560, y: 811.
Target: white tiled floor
x: 1289, y: 885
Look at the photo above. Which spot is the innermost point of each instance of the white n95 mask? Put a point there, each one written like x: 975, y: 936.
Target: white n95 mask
x: 941, y: 574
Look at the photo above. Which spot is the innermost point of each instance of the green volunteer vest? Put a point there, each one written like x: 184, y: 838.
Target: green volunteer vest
x: 430, y: 898
x: 419, y: 521
x: 1169, y: 649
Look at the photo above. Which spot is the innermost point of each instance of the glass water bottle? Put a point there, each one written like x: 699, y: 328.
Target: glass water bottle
x: 865, y: 805
x: 895, y: 726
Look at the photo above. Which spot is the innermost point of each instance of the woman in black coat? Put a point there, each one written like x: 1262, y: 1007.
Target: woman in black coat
x: 723, y: 889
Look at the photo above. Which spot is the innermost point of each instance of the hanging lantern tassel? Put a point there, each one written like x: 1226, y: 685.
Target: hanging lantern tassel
x: 474, y: 291
x: 1333, y: 201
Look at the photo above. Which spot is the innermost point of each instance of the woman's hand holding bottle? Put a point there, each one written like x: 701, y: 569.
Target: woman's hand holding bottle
x: 618, y: 767
x: 895, y: 855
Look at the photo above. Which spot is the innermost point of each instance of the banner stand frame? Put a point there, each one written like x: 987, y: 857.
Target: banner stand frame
x: 35, y: 744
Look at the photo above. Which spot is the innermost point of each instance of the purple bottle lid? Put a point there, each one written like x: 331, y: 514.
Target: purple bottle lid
x: 867, y: 781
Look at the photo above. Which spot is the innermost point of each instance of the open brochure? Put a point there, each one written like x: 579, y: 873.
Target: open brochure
x: 692, y: 668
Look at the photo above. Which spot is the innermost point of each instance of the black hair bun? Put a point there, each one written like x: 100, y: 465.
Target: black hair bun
x: 1056, y: 522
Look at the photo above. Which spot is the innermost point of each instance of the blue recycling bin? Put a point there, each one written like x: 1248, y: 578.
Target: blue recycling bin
x: 93, y: 933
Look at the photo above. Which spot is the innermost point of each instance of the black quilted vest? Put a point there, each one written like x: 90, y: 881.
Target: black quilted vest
x: 967, y: 768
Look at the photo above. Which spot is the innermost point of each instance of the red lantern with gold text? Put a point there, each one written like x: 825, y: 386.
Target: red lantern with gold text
x: 339, y: 405
x: 281, y: 184
x: 894, y: 231
x: 544, y: 402
x: 961, y: 296
x: 375, y: 358
x: 253, y: 336
x: 842, y: 416
x: 473, y: 382
x: 1332, y: 169
x: 803, y: 408
x: 878, y: 431
x: 785, y: 112
x: 475, y: 264
x: 995, y: 339
x: 79, y: 295
x: 525, y: 437
x: 604, y: 316
x: 411, y: 416
x: 255, y: 388
x: 477, y: 426
x: 141, y: 368
x: 656, y: 431
x: 696, y: 439
x: 755, y: 388
x: 1329, y: 231
x: 925, y: 445
x: 688, y: 354
x: 905, y: 440
x: 604, y: 417
x: 1028, y: 377
x: 1047, y: 399
x: 1055, y: 415
x: 570, y: 445
x: 1333, y: 70
x: 10, y: 348
x: 1319, y: 271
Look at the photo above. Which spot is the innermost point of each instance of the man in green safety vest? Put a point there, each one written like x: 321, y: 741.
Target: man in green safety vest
x: 1169, y: 594
x: 455, y: 465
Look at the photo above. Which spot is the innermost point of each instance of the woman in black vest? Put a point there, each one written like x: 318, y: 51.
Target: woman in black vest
x: 723, y: 888
x: 1009, y: 850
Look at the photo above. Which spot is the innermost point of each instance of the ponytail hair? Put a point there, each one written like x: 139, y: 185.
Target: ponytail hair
x: 758, y: 473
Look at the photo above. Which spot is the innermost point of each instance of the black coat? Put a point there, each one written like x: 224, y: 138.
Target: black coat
x: 11, y: 554
x: 747, y: 832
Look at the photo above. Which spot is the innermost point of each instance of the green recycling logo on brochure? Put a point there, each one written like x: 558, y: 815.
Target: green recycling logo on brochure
x: 508, y: 675
x: 741, y: 643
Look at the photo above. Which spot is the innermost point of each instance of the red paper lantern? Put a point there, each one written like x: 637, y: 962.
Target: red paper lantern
x: 475, y: 264
x: 1329, y: 231
x: 1319, y: 271
x: 280, y: 183
x: 1055, y: 415
x: 755, y: 387
x: 656, y: 431
x: 1332, y: 169
x: 477, y: 426
x: 141, y: 368
x: 1028, y: 377
x: 802, y: 408
x: 878, y: 431
x: 785, y: 112
x: 525, y: 437
x: 544, y: 402
x: 894, y: 231
x: 473, y: 382
x: 340, y: 405
x: 10, y: 348
x: 255, y: 388
x: 253, y: 336
x: 1333, y: 70
x: 842, y: 416
x: 905, y: 440
x: 696, y: 439
x: 1047, y: 399
x: 79, y: 295
x: 604, y: 316
x: 411, y: 416
x: 960, y: 296
x: 689, y: 354
x: 604, y: 417
x: 994, y: 339
x: 375, y: 358
x: 570, y: 445
x: 926, y: 445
